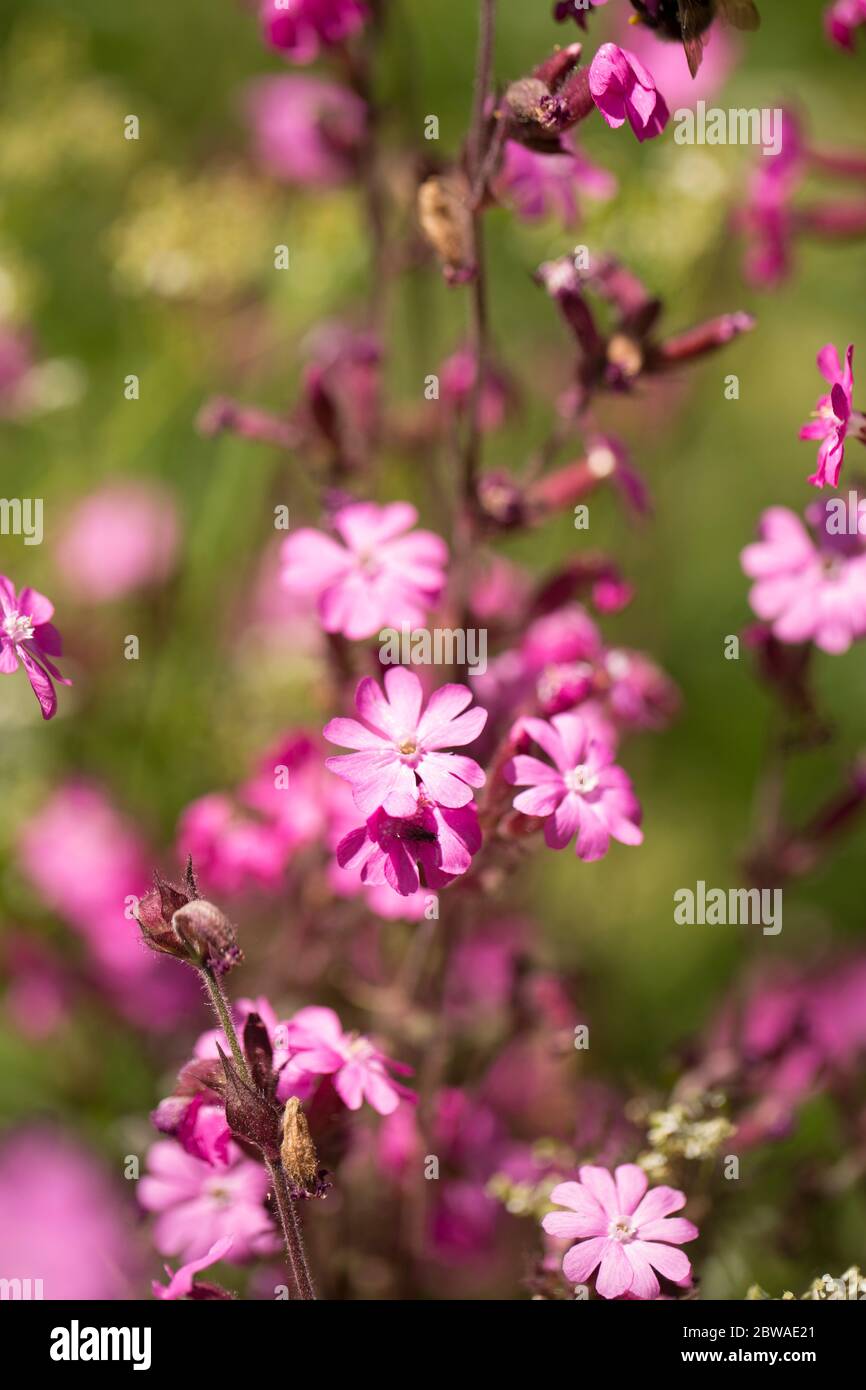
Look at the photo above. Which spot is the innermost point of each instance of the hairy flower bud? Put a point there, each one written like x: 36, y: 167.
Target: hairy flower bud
x: 446, y: 221
x: 155, y: 913
x: 209, y: 935
x: 249, y: 1114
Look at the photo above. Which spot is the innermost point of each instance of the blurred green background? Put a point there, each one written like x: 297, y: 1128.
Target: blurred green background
x: 83, y: 212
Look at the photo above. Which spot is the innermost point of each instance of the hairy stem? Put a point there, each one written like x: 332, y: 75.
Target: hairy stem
x: 224, y: 1015
x: 291, y: 1228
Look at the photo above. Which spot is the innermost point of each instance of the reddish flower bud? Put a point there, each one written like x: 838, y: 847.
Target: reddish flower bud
x: 208, y: 935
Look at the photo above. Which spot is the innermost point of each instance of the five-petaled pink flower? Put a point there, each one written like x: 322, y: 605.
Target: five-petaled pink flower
x: 623, y: 1231
x: 315, y: 1039
x: 585, y: 793
x: 806, y: 594
x: 427, y: 849
x: 182, y: 1283
x: 399, y: 747
x: 834, y: 415
x: 623, y: 90
x: 380, y: 577
x: 28, y: 635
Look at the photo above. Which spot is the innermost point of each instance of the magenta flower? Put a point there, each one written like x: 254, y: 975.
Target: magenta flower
x: 317, y: 1044
x: 622, y: 1230
x: 399, y: 747
x: 623, y: 90
x: 28, y: 636
x: 537, y: 185
x: 198, y: 1204
x: 306, y: 130
x: 180, y: 1284
x: 806, y: 594
x: 299, y: 28
x: 834, y: 416
x: 380, y: 577
x: 431, y: 847
x: 843, y: 19
x: 584, y: 794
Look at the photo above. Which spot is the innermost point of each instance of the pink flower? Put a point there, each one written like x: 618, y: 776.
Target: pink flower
x: 834, y: 415
x: 768, y: 219
x: 437, y: 841
x: 306, y: 130
x: 300, y: 28
x: 118, y: 540
x: 670, y: 68
x: 63, y: 1219
x: 805, y: 594
x: 198, y: 1204
x: 380, y: 577
x: 623, y: 89
x: 292, y: 1078
x: 317, y: 1044
x: 538, y: 185
x: 843, y: 19
x: 399, y: 747
x: 584, y: 794
x: 232, y: 851
x: 180, y: 1284
x: 628, y: 1234
x: 28, y: 636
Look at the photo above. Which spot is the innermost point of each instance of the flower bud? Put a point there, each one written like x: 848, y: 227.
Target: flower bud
x: 446, y: 221
x: 155, y: 912
x: 208, y: 935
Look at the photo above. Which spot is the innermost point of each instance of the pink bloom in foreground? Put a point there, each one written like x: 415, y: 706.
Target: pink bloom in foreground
x: 399, y: 748
x: 383, y: 575
x: 317, y: 1044
x: 623, y: 90
x: 584, y: 794
x: 843, y: 19
x: 198, y: 1204
x: 431, y: 847
x: 306, y: 130
x: 300, y: 28
x: 180, y: 1284
x: 807, y: 595
x: 622, y: 1230
x: 834, y: 415
x: 119, y: 539
x: 28, y: 636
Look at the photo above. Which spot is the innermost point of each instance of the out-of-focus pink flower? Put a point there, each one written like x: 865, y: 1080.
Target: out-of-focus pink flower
x: 540, y: 185
x: 292, y: 1078
x: 62, y: 1220
x: 87, y: 862
x: 622, y: 1230
x: 623, y: 90
x: 28, y: 636
x: 118, y: 540
x: 16, y: 361
x: 669, y: 66
x: 457, y: 380
x: 197, y: 1204
x: 583, y: 794
x: 317, y: 1044
x: 306, y: 130
x: 380, y: 577
x: 834, y: 415
x: 180, y: 1283
x: 231, y: 850
x: 300, y: 28
x: 843, y: 19
x: 805, y: 595
x: 768, y: 219
x: 389, y: 849
x: 399, y: 748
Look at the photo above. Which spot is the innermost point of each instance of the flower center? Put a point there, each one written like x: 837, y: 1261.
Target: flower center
x: 18, y: 627
x: 581, y: 779
x: 621, y: 1229
x: 408, y: 747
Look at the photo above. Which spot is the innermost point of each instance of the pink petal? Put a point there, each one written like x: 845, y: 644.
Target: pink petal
x: 405, y: 695
x: 616, y: 1273
x: 669, y: 1261
x: 676, y: 1230
x: 658, y: 1202
x: 601, y: 1186
x: 582, y: 1259
x: 631, y: 1184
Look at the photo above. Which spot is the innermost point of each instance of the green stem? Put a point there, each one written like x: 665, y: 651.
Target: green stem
x: 224, y: 1015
